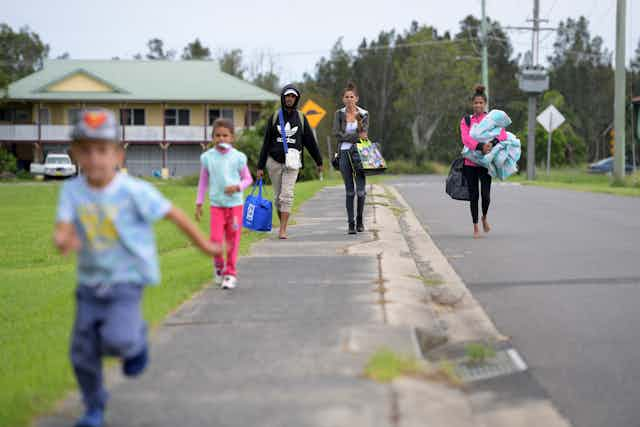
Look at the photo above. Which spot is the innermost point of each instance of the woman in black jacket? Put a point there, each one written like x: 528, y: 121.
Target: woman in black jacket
x: 350, y: 124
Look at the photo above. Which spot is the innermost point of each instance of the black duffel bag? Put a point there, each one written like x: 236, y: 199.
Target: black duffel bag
x: 457, y: 187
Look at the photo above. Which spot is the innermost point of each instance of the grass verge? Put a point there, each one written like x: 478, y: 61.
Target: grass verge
x: 36, y: 292
x: 578, y: 179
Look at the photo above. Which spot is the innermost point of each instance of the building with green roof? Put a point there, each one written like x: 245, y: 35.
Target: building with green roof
x: 165, y: 108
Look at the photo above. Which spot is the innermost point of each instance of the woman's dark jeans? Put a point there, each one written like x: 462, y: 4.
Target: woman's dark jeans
x: 354, y: 184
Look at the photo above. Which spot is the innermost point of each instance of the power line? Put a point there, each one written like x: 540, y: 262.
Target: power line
x: 552, y: 7
x: 371, y: 48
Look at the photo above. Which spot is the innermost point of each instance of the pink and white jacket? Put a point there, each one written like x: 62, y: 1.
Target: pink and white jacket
x: 471, y: 143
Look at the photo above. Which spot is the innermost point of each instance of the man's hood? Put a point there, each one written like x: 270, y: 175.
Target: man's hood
x: 286, y: 88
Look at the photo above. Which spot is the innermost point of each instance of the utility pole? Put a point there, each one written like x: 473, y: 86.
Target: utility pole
x: 531, y: 138
x: 619, y: 121
x: 535, y: 39
x: 531, y: 133
x: 533, y: 79
x: 485, y: 55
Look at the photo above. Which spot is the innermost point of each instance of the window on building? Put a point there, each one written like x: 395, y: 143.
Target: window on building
x: 252, y: 117
x: 216, y: 113
x: 132, y: 116
x: 6, y: 115
x: 177, y: 117
x: 44, y: 116
x: 22, y: 116
x: 73, y: 115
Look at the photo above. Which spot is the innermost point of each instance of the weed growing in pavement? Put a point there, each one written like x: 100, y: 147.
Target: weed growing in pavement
x: 429, y: 281
x: 447, y: 374
x: 385, y: 365
x: 478, y: 353
x: 377, y: 204
x: 397, y: 211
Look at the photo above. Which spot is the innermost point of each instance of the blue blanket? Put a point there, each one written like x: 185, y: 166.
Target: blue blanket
x: 502, y: 160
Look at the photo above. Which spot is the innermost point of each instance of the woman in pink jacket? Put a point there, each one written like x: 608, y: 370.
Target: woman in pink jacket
x: 477, y: 176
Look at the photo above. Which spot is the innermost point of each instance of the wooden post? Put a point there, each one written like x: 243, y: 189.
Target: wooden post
x: 206, y: 120
x: 165, y: 159
x: 39, y: 122
x: 164, y: 124
x: 37, y: 149
x: 124, y: 137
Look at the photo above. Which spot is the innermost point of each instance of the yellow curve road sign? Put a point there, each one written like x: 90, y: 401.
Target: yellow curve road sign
x: 314, y: 113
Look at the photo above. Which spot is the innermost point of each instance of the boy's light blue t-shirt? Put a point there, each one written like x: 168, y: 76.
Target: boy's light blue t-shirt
x: 115, y: 226
x: 224, y: 170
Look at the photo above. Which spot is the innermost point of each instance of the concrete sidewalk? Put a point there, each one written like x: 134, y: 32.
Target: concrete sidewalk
x: 288, y: 347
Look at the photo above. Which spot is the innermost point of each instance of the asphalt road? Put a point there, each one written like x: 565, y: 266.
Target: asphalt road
x: 560, y: 274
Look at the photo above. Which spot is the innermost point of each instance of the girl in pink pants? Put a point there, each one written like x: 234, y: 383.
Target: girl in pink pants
x: 225, y: 173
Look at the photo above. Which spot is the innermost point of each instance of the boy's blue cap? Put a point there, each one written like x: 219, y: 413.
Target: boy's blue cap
x: 96, y: 124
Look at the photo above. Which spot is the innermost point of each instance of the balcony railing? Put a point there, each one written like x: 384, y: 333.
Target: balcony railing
x: 131, y: 133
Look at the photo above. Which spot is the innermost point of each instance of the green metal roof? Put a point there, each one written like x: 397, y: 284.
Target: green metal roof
x: 139, y: 81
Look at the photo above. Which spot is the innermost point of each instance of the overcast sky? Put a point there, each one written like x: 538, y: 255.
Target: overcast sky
x: 295, y: 33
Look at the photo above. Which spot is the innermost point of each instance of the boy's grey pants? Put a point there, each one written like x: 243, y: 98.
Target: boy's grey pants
x: 108, y: 322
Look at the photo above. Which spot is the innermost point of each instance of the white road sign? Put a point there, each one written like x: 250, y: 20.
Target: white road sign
x: 550, y: 118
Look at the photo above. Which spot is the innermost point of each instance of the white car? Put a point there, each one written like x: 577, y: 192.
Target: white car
x: 55, y: 165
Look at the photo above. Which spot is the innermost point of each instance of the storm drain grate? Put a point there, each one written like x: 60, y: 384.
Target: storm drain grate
x: 505, y: 362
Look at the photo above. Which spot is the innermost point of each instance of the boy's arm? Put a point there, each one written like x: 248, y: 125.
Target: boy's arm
x: 65, y: 238
x: 180, y: 219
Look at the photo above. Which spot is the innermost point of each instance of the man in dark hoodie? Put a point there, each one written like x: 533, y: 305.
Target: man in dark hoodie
x: 299, y: 135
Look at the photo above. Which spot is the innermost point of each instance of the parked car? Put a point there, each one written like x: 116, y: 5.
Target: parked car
x: 606, y: 166
x: 55, y: 165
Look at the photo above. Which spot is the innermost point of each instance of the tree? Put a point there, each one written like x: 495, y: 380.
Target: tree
x: 157, y: 52
x: 503, y: 66
x: 196, y: 51
x: 581, y: 70
x: 21, y: 54
x: 434, y: 87
x: 635, y: 61
x: 268, y: 81
x: 332, y: 74
x: 374, y: 74
x: 262, y: 71
x: 231, y: 63
x: 635, y: 73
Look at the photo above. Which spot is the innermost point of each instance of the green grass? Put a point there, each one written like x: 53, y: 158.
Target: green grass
x: 385, y: 365
x: 36, y: 291
x: 478, y: 352
x: 409, y: 167
x: 579, y: 180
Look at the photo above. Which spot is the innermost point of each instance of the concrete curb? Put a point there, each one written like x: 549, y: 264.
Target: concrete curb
x: 415, y: 276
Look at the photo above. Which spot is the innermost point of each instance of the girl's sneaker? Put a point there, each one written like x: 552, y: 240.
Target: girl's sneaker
x: 229, y: 282
x: 217, y: 277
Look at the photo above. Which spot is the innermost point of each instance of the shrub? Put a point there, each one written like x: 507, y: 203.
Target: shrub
x: 407, y: 167
x: 7, y: 161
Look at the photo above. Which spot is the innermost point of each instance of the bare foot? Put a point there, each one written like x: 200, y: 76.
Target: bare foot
x: 476, y: 231
x: 282, y: 235
x: 485, y: 225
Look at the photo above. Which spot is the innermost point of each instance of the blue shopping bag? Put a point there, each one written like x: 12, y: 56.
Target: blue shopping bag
x: 257, y: 212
